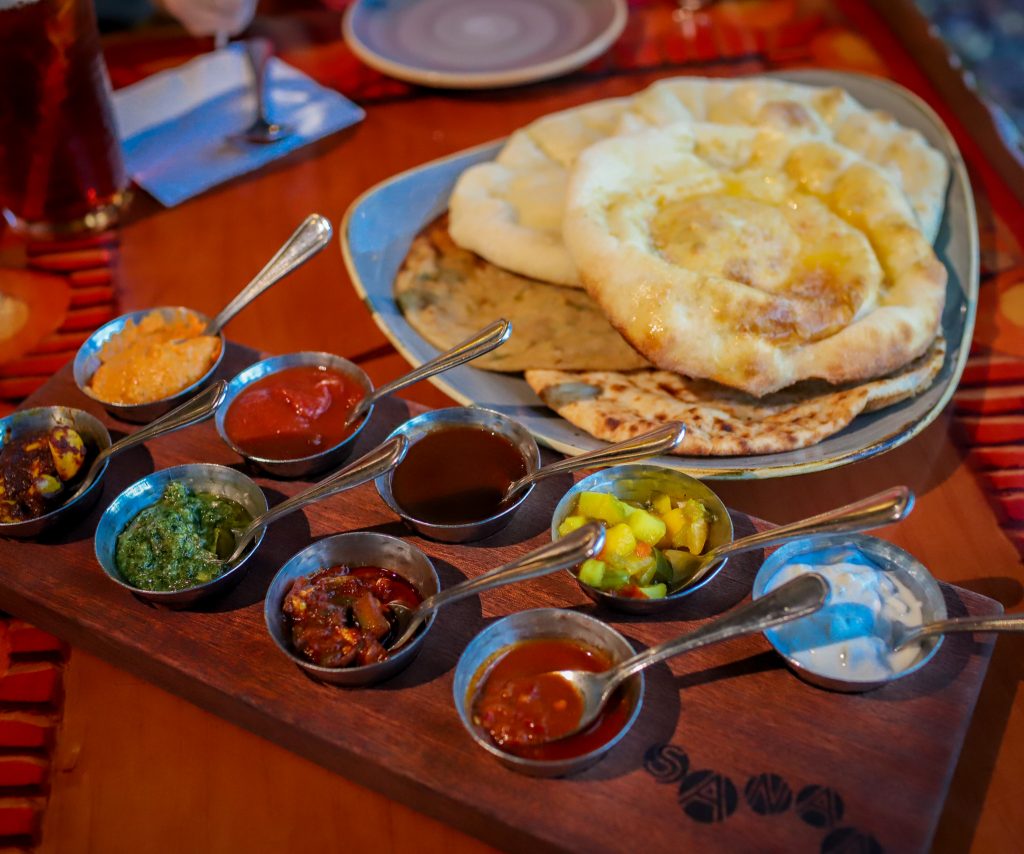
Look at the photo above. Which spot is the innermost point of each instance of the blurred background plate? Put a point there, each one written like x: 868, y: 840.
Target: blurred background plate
x: 381, y: 224
x: 471, y: 44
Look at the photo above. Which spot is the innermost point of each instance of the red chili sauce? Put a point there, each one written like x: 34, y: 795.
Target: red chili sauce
x: 519, y: 711
x: 293, y: 413
x: 456, y: 474
x: 340, y: 615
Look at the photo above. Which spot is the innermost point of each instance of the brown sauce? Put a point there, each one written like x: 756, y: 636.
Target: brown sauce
x: 520, y: 711
x: 456, y: 475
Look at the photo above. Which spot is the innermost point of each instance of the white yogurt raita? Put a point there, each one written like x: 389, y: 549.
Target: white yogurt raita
x: 852, y: 636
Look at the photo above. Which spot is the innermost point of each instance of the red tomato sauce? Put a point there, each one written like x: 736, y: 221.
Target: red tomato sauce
x: 519, y: 711
x: 293, y: 413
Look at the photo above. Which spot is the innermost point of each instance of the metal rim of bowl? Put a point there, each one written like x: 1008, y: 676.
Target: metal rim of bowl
x: 603, y: 481
x: 463, y: 704
x: 184, y: 595
x: 366, y: 673
x: 94, y: 343
x: 460, y: 415
x: 891, y: 557
x: 259, y: 370
x: 38, y: 524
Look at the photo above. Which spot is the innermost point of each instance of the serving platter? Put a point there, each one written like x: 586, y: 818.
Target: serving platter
x: 731, y: 750
x: 381, y: 224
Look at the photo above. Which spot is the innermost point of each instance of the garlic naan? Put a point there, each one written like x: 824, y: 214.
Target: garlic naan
x: 752, y: 257
x: 509, y: 211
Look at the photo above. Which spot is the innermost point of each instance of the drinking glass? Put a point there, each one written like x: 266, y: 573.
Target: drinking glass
x: 61, y: 169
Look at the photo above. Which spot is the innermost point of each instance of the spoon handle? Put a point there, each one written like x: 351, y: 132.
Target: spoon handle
x: 661, y: 440
x: 309, y: 238
x: 371, y: 465
x: 797, y: 598
x: 568, y: 551
x: 192, y: 411
x: 889, y: 505
x: 483, y: 342
x: 1002, y: 623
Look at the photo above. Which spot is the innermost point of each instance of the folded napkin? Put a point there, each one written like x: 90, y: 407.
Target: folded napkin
x: 175, y: 125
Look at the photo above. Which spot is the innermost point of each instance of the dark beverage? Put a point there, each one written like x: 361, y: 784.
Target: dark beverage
x: 61, y: 169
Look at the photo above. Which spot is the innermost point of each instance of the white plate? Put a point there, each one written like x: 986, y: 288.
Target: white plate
x: 473, y: 44
x: 380, y: 225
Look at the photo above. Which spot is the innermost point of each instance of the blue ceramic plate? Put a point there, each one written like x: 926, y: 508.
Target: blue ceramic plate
x: 381, y: 224
x: 472, y: 44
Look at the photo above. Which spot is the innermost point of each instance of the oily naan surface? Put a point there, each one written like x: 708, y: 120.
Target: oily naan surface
x: 753, y: 258
x: 447, y: 293
x: 509, y: 210
x: 720, y: 421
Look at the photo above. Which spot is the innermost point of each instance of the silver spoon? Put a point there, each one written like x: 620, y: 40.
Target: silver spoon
x: 487, y: 339
x: 192, y: 411
x: 882, y: 508
x: 262, y: 130
x: 795, y: 599
x: 902, y: 635
x: 308, y: 239
x: 575, y: 548
x: 661, y: 440
x: 371, y: 465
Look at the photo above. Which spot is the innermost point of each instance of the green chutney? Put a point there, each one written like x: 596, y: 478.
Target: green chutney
x: 176, y: 543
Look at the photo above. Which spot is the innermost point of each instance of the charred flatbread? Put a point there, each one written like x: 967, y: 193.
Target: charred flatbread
x: 721, y: 421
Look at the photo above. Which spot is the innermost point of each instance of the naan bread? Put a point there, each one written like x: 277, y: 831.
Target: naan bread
x: 751, y: 257
x: 903, y: 154
x: 447, y: 294
x: 721, y: 421
x: 509, y: 210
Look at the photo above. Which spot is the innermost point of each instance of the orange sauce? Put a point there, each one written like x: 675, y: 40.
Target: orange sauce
x: 519, y: 711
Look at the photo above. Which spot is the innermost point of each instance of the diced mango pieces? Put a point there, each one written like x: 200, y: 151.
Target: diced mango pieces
x: 570, y: 524
x: 661, y: 503
x: 606, y: 508
x: 620, y: 540
x: 646, y: 527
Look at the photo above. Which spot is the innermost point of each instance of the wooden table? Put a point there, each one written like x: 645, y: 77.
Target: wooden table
x: 142, y: 770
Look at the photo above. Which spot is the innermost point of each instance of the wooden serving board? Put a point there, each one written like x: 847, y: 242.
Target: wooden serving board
x: 731, y: 751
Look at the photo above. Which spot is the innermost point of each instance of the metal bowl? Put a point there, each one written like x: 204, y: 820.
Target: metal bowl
x: 201, y: 477
x: 87, y: 360
x: 535, y: 625
x: 301, y: 466
x: 637, y: 483
x: 471, y: 416
x: 890, y: 559
x: 41, y: 419
x: 360, y: 548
